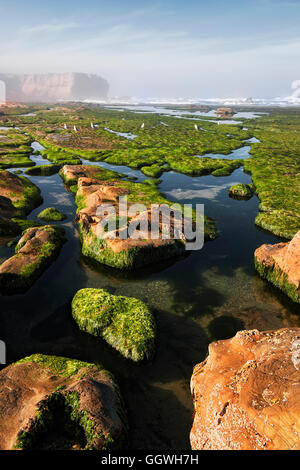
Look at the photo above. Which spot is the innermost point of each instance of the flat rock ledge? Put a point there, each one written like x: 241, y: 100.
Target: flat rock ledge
x: 280, y: 265
x: 36, y: 250
x: 111, y: 247
x: 247, y: 393
x: 54, y: 403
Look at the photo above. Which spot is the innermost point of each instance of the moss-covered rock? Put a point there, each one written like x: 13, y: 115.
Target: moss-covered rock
x: 241, y: 190
x: 35, y: 251
x: 43, y: 170
x: 51, y: 214
x: 18, y: 196
x: 123, y: 322
x: 275, y: 170
x: 114, y: 249
x: 77, y: 403
x: 71, y: 173
x: 14, y: 149
x: 279, y: 264
x: 154, y: 171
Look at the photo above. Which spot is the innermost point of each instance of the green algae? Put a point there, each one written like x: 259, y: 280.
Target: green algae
x: 62, y: 408
x: 14, y: 149
x: 133, y: 258
x: 123, y: 322
x: 61, y: 366
x: 24, y: 201
x: 275, y: 170
x: 51, y: 214
x: 43, y: 170
x: 278, y: 278
x: 241, y: 190
x: 31, y: 196
x: 12, y: 281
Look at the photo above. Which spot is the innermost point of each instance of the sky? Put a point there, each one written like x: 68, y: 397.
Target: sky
x: 169, y: 48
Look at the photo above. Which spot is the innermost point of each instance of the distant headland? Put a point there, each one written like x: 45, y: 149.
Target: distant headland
x: 52, y: 87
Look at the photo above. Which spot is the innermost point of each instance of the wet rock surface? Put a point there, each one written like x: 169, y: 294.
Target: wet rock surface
x: 280, y: 264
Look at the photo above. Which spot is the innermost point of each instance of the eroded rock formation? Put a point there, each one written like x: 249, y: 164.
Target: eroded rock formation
x: 247, y: 393
x: 110, y: 244
x: 280, y: 264
x: 78, y: 403
x: 18, y: 196
x: 53, y: 87
x: 36, y: 249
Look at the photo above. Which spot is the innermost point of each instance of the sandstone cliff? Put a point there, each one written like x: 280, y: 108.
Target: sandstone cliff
x: 54, y: 87
x: 247, y: 393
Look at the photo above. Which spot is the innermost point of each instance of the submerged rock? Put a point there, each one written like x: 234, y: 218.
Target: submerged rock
x: 280, y: 265
x: 124, y: 322
x: 50, y: 402
x: 241, y: 191
x: 246, y: 393
x: 35, y: 251
x: 18, y: 196
x: 50, y: 213
x: 224, y: 112
x: 43, y: 170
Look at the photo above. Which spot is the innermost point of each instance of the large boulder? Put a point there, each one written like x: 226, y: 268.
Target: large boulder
x: 50, y: 402
x: 280, y: 265
x: 247, y: 393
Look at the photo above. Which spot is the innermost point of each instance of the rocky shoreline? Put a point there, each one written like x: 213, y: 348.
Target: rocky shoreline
x: 246, y: 391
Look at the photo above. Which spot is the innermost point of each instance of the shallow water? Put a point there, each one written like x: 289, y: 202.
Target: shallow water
x: 180, y: 112
x: 240, y: 153
x: 127, y: 135
x: 207, y: 295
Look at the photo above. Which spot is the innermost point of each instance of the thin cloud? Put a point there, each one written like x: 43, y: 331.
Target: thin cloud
x: 48, y: 28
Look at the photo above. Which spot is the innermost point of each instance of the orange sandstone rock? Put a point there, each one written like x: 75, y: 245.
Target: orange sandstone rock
x: 280, y: 264
x: 247, y: 393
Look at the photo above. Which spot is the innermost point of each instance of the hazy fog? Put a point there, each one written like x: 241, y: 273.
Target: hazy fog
x: 163, y: 49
